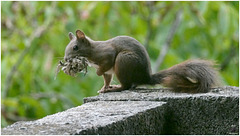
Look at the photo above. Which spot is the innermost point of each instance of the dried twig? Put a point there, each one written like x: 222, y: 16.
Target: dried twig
x: 73, y: 66
x: 167, y: 44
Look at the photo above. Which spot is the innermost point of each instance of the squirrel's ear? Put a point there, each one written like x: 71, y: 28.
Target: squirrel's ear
x: 80, y: 34
x: 71, y: 35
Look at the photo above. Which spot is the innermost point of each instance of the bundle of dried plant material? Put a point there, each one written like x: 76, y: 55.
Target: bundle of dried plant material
x: 73, y: 66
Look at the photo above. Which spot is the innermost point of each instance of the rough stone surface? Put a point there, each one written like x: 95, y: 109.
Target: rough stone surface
x: 161, y: 95
x: 144, y: 111
x: 216, y: 112
x: 100, y: 117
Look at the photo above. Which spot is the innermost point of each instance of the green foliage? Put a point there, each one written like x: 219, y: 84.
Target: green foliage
x: 208, y: 30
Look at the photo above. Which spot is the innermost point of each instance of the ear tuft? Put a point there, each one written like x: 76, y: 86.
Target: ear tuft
x: 80, y: 34
x: 71, y: 35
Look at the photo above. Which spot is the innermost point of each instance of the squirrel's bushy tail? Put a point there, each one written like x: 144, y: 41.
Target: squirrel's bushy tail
x: 192, y: 76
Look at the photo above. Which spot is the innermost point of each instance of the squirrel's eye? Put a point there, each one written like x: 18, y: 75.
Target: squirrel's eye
x: 75, y: 47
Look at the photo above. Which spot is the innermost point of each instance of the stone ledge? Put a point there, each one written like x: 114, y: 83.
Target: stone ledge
x: 216, y: 112
x: 161, y: 94
x: 149, y: 111
x: 97, y: 118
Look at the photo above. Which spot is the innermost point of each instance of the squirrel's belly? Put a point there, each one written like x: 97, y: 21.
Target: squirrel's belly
x: 110, y: 71
x: 91, y: 64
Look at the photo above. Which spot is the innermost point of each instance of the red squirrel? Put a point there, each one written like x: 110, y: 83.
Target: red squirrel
x: 125, y: 57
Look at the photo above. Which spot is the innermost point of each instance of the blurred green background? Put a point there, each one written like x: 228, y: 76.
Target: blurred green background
x: 34, y: 36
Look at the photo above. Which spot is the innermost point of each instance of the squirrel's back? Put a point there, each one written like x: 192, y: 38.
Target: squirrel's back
x: 134, y: 47
x: 126, y: 43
